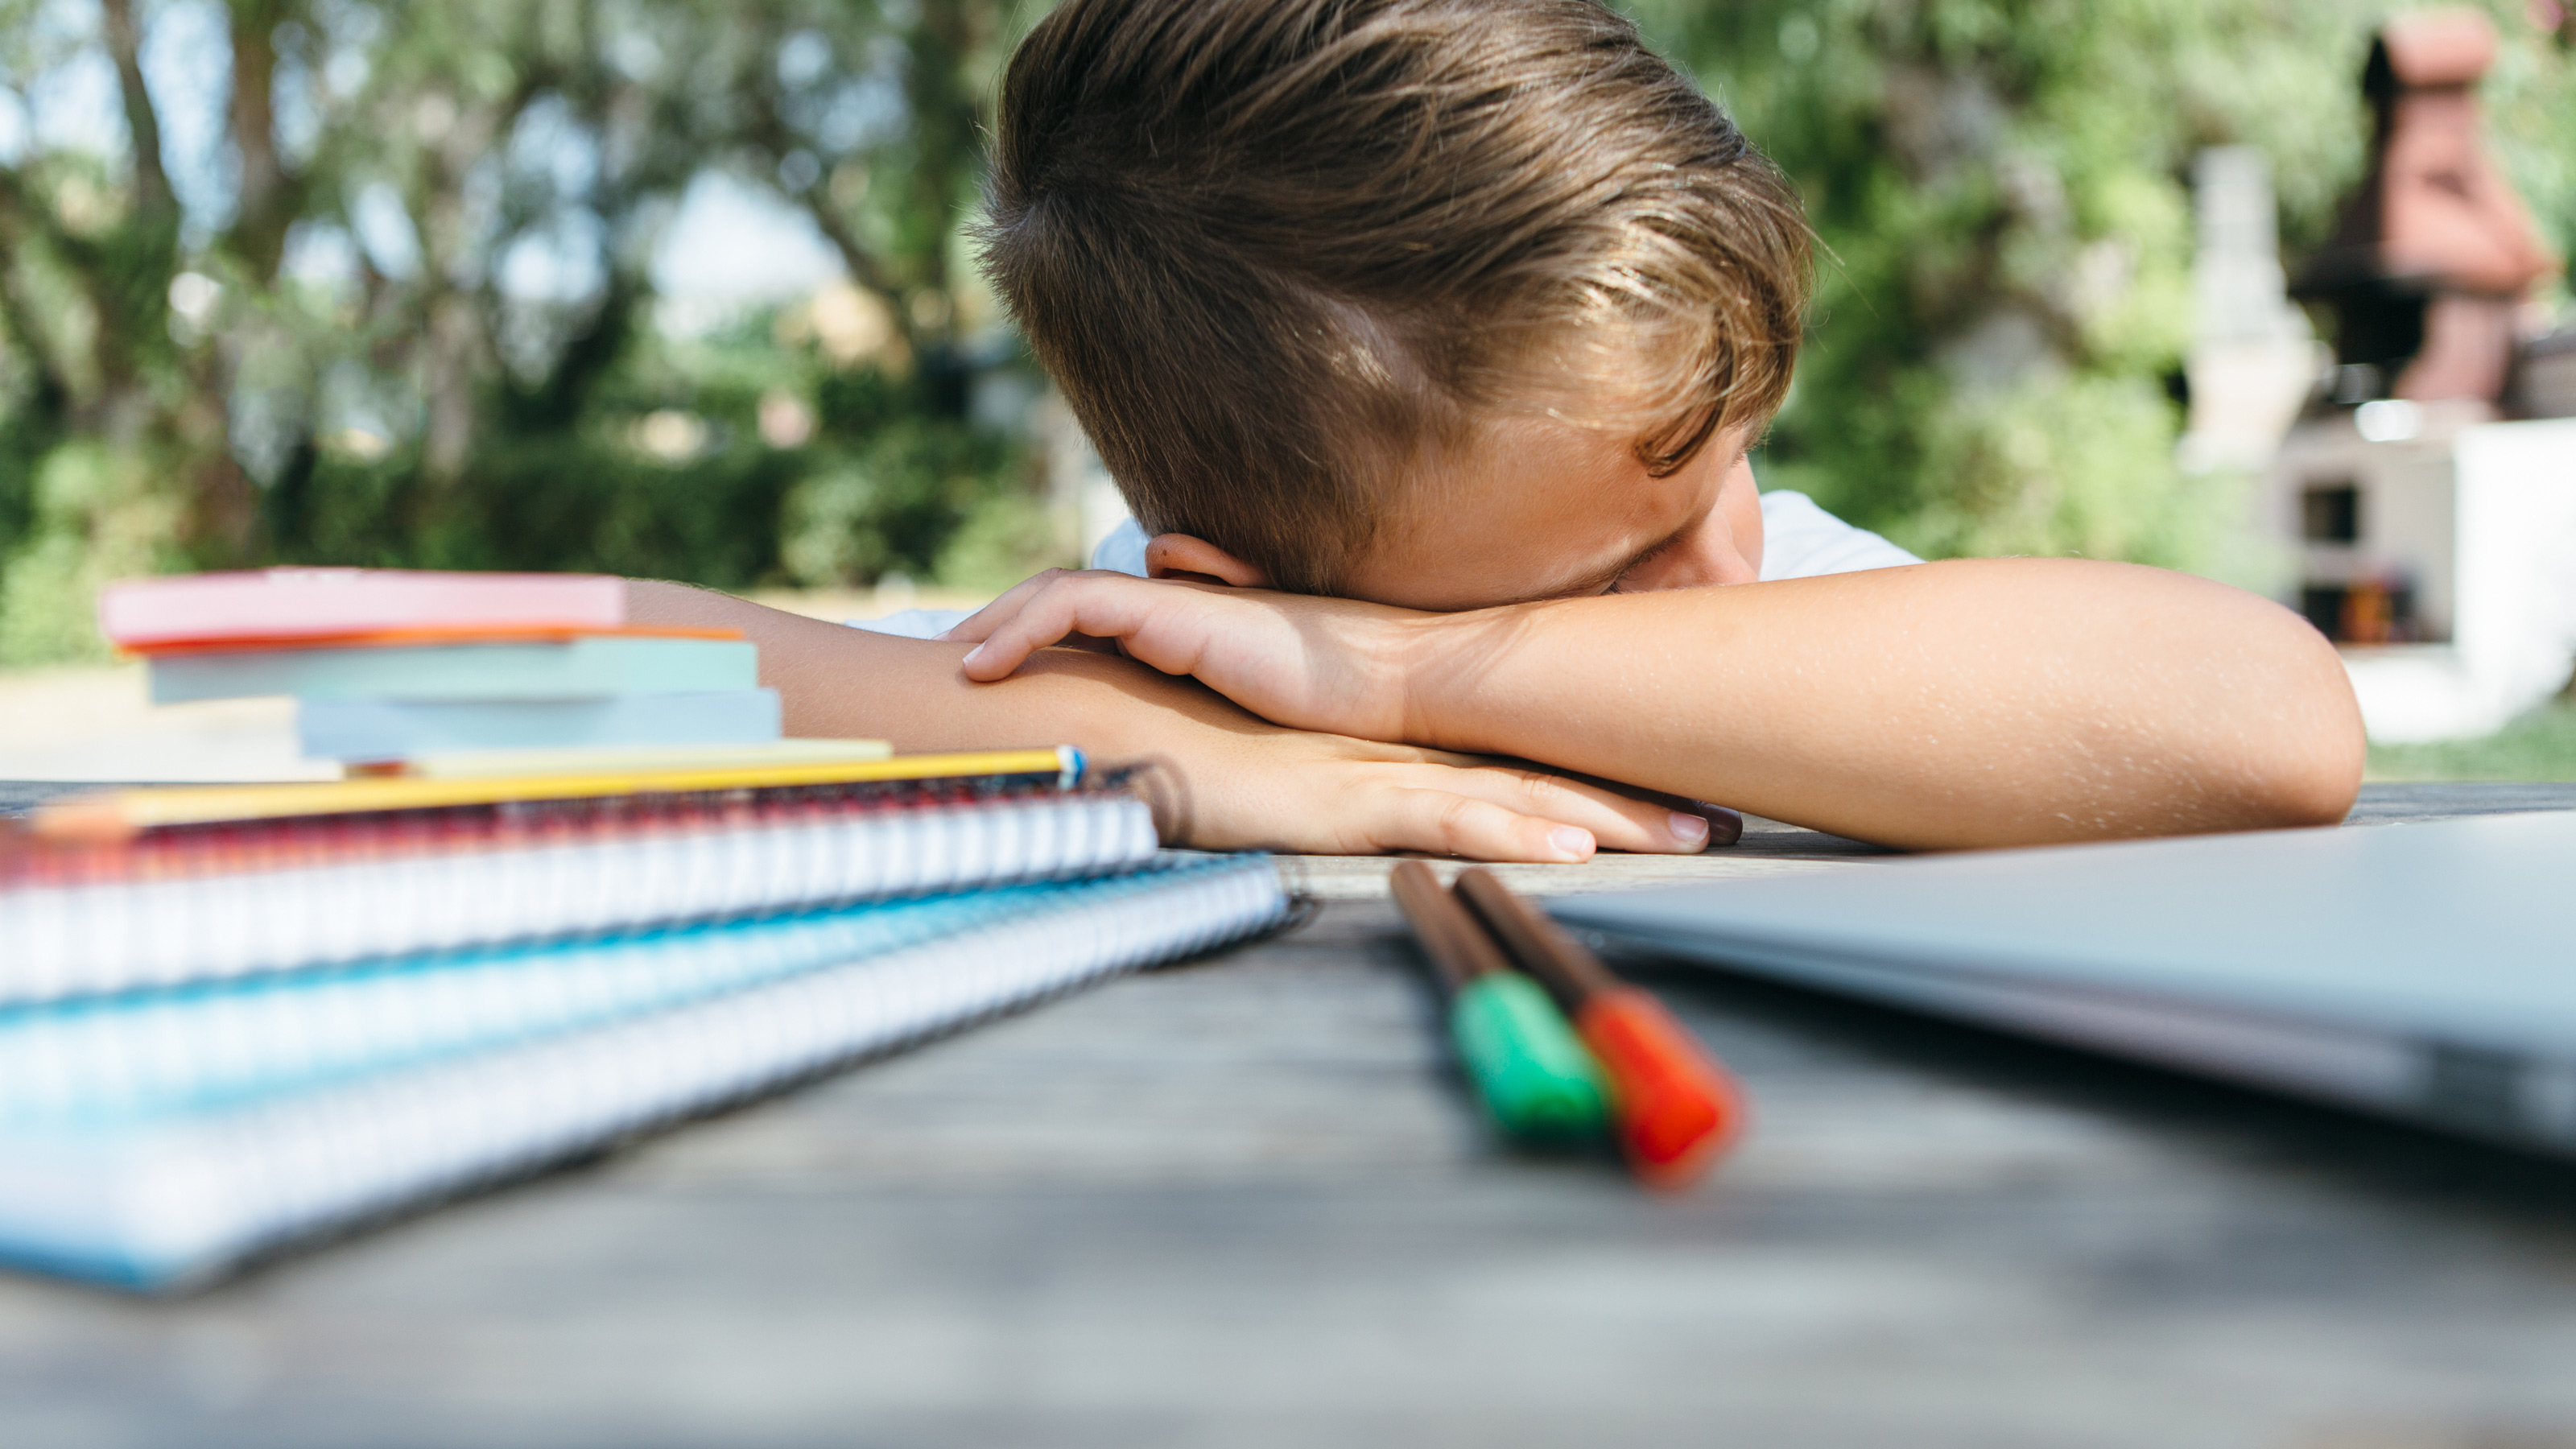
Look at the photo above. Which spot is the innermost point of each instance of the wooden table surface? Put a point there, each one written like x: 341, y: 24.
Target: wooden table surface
x: 1243, y: 1202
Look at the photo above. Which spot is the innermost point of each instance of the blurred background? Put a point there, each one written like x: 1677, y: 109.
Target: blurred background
x: 681, y: 289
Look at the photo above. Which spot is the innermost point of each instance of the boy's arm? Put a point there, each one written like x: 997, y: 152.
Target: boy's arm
x: 1973, y: 702
x: 1227, y: 779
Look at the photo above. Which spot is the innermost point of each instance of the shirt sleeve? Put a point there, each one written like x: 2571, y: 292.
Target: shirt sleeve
x: 913, y: 623
x: 1803, y: 541
x: 1123, y: 550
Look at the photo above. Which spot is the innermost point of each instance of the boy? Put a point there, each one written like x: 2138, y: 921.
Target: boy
x: 1426, y: 339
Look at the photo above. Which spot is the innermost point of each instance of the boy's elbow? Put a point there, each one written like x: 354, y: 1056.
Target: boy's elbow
x: 2318, y: 787
x: 2307, y: 748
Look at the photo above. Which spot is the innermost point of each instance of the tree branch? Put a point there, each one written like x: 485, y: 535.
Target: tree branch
x: 770, y: 133
x: 19, y: 226
x: 125, y: 47
x: 270, y: 198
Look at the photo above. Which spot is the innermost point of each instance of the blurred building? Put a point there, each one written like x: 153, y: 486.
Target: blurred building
x: 2254, y: 360
x: 2428, y: 489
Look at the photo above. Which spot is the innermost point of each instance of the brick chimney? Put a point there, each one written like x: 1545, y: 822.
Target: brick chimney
x: 2434, y: 254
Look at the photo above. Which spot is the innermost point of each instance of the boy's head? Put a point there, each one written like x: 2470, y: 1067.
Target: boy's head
x: 1321, y: 277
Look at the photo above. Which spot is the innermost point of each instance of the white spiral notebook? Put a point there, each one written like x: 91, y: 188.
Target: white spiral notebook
x: 156, y: 1137
x: 279, y: 895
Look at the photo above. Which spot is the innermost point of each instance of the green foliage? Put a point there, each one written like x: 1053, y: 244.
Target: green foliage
x: 2001, y: 189
x: 542, y: 503
x: 173, y: 393
x: 98, y: 516
x: 895, y: 504
x: 885, y: 487
x: 2539, y: 746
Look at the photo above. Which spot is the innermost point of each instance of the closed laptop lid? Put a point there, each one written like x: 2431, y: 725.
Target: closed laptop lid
x: 2428, y: 969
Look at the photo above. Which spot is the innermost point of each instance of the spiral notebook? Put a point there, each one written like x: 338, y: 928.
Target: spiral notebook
x: 153, y: 1138
x: 432, y: 867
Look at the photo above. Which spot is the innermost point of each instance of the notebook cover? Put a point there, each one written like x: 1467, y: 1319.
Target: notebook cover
x: 526, y: 764
x: 151, y: 1140
x: 339, y: 729
x: 117, y: 815
x: 294, y: 602
x: 591, y: 666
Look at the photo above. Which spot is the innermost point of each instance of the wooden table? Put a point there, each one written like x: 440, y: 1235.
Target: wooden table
x: 1243, y: 1202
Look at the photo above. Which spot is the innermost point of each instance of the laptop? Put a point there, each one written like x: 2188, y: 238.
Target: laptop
x: 2424, y: 971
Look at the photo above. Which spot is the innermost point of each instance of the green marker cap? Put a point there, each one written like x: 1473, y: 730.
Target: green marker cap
x: 1537, y: 1079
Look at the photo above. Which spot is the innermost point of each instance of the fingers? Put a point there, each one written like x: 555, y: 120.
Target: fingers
x: 1620, y: 817
x: 978, y: 626
x: 1514, y: 815
x: 1047, y: 610
x: 1617, y: 819
x: 1447, y: 824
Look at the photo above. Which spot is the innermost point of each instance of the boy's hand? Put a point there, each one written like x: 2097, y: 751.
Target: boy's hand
x: 1333, y: 665
x: 1282, y: 789
x: 1219, y: 778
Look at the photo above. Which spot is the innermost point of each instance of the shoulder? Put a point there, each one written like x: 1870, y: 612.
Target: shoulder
x: 1803, y: 541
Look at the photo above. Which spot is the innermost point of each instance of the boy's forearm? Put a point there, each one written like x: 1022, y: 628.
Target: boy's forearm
x: 1978, y: 702
x: 1221, y: 779
x: 836, y: 681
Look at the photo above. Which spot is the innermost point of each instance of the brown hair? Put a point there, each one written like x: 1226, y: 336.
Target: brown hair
x: 1272, y: 249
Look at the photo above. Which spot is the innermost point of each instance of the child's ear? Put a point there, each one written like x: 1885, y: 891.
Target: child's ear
x: 1179, y: 556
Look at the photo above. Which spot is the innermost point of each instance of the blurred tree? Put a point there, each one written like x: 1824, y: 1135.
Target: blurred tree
x: 406, y: 286
x: 2001, y: 188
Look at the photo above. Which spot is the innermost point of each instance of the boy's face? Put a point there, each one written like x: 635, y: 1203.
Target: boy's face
x: 1537, y: 508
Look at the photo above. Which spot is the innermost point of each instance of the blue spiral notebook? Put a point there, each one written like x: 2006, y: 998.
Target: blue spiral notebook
x: 153, y: 1138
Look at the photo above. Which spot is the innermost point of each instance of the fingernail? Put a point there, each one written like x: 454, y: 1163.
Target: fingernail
x: 1575, y: 842
x: 973, y: 654
x: 1690, y: 830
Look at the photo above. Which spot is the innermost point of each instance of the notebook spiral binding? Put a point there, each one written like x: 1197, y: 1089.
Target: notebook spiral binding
x: 210, y: 903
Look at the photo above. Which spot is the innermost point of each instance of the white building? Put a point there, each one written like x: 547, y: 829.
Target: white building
x: 2438, y: 548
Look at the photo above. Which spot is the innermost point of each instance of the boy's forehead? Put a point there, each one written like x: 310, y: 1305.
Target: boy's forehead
x: 1531, y: 506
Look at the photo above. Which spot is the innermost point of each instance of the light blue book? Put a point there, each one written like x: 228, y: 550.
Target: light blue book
x: 376, y: 729
x: 153, y: 1138
x: 591, y: 666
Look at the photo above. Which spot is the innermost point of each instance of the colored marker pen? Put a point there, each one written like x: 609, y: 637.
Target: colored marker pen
x: 1677, y: 1109
x: 1535, y: 1079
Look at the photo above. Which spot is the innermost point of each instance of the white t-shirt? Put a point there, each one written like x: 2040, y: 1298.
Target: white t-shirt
x: 1799, y: 541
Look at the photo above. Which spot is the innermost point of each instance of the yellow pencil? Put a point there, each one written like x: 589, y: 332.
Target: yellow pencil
x: 118, y: 815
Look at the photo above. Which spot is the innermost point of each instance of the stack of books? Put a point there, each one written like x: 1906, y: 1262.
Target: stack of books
x: 234, y: 1015
x: 390, y: 666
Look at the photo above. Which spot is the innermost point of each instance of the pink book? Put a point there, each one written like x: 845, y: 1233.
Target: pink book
x: 311, y: 603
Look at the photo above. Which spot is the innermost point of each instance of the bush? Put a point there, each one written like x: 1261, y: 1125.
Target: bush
x: 96, y: 514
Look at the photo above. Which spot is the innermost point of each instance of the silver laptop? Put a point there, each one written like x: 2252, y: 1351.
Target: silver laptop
x: 2425, y: 971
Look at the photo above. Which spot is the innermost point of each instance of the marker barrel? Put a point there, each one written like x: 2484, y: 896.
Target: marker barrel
x: 1677, y: 1109
x: 1536, y: 1079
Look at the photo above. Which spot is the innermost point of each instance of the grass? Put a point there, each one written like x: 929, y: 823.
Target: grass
x: 2539, y: 746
